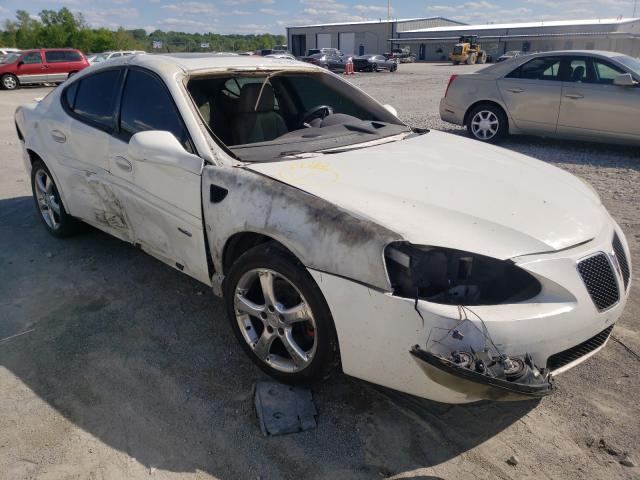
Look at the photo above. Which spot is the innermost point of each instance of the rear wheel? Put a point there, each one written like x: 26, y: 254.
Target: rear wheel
x: 374, y: 67
x: 47, y: 198
x: 487, y: 123
x: 9, y: 81
x: 280, y: 316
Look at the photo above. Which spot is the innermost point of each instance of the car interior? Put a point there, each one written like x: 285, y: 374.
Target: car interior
x: 262, y: 116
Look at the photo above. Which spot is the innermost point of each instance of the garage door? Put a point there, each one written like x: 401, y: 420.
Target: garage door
x: 324, y: 40
x: 348, y: 43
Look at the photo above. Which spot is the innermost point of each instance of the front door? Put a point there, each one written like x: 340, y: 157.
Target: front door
x: 531, y: 94
x: 593, y: 105
x: 31, y: 68
x: 162, y: 200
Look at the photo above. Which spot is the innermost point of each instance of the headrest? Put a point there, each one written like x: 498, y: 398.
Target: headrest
x: 249, y: 96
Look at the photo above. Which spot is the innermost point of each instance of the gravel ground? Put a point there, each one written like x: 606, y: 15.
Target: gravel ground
x: 127, y: 369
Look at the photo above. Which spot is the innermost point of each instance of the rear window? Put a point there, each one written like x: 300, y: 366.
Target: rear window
x: 541, y: 68
x: 72, y: 56
x: 55, y: 56
x: 96, y: 97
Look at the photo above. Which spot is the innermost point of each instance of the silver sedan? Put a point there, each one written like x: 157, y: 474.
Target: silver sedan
x: 582, y: 95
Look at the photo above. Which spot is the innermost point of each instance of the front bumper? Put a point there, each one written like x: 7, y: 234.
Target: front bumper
x: 377, y: 330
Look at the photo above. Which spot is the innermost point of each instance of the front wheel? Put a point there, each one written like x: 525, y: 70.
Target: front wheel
x: 9, y: 82
x: 280, y: 316
x: 47, y: 198
x: 487, y: 123
x: 374, y: 67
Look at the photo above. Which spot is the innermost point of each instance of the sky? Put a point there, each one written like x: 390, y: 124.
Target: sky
x: 272, y: 16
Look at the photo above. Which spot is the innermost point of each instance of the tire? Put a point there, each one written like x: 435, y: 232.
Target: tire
x: 47, y: 200
x: 9, y: 81
x: 374, y: 67
x: 481, y: 126
x: 393, y: 68
x: 482, y: 59
x: 471, y: 59
x: 262, y: 333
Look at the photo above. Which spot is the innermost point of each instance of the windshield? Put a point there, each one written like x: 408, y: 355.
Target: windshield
x: 10, y: 58
x: 267, y: 117
x: 632, y: 63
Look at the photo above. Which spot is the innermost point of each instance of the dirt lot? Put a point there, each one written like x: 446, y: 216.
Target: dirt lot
x: 113, y: 365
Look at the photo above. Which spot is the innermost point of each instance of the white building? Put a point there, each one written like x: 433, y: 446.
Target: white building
x: 435, y: 43
x: 357, y: 37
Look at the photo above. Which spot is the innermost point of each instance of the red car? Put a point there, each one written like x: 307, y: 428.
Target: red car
x: 44, y: 65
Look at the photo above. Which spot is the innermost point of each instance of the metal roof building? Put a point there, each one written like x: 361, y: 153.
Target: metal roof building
x: 357, y: 37
x: 617, y: 34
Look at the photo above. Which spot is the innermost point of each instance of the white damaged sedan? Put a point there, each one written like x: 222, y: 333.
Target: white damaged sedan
x: 337, y: 235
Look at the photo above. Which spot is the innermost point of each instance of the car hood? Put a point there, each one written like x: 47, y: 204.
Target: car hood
x: 444, y: 190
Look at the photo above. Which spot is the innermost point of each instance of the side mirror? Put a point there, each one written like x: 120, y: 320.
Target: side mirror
x: 20, y: 63
x: 391, y: 110
x: 163, y: 148
x: 624, y: 80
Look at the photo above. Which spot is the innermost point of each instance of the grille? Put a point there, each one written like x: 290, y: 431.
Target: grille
x: 598, y: 277
x: 563, y: 358
x: 622, y: 260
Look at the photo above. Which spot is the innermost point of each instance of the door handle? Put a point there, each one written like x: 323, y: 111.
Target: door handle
x: 123, y: 163
x: 515, y: 90
x: 58, y: 136
x: 574, y: 95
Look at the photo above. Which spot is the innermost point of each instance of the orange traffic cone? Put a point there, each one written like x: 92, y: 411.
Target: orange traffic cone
x: 348, y: 68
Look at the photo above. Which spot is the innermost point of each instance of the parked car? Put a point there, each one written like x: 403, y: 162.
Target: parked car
x: 509, y: 55
x: 336, y: 234
x: 374, y: 63
x: 325, y: 60
x: 326, y: 50
x: 282, y: 55
x: 46, y: 65
x: 582, y: 95
x: 101, y: 57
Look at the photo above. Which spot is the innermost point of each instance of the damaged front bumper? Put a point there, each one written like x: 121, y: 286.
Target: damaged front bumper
x: 484, y: 377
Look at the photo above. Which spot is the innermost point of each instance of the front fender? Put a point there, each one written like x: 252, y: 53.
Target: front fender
x: 323, y: 236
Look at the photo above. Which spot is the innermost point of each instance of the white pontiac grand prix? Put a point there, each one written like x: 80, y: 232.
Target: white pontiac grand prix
x: 337, y: 235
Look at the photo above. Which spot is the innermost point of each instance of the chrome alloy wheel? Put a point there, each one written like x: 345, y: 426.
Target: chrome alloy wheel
x: 485, y: 125
x: 275, y: 319
x: 48, y: 200
x: 9, y: 82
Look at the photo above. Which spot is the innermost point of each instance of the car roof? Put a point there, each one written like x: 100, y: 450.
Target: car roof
x: 169, y: 66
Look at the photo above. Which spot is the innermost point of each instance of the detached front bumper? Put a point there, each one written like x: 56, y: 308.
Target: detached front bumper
x: 558, y: 329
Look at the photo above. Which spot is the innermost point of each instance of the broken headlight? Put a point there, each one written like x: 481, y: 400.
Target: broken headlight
x: 454, y: 277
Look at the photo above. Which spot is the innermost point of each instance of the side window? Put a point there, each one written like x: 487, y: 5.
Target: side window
x: 605, y: 72
x: 72, y: 56
x: 577, y: 72
x: 116, y: 55
x: 33, y: 57
x: 70, y: 95
x: 541, y: 68
x: 96, y: 97
x: 138, y: 113
x: 55, y: 56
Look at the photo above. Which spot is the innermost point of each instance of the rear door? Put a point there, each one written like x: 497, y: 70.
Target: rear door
x: 83, y: 142
x: 31, y: 68
x: 57, y: 68
x: 531, y: 94
x: 162, y: 201
x: 593, y: 105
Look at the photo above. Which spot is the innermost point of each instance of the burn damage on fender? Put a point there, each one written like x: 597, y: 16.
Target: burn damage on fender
x: 465, y: 359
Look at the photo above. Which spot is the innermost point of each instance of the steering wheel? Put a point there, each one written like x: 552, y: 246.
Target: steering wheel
x: 319, y: 111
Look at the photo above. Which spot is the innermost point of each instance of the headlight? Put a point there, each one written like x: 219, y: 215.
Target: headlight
x: 454, y: 277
